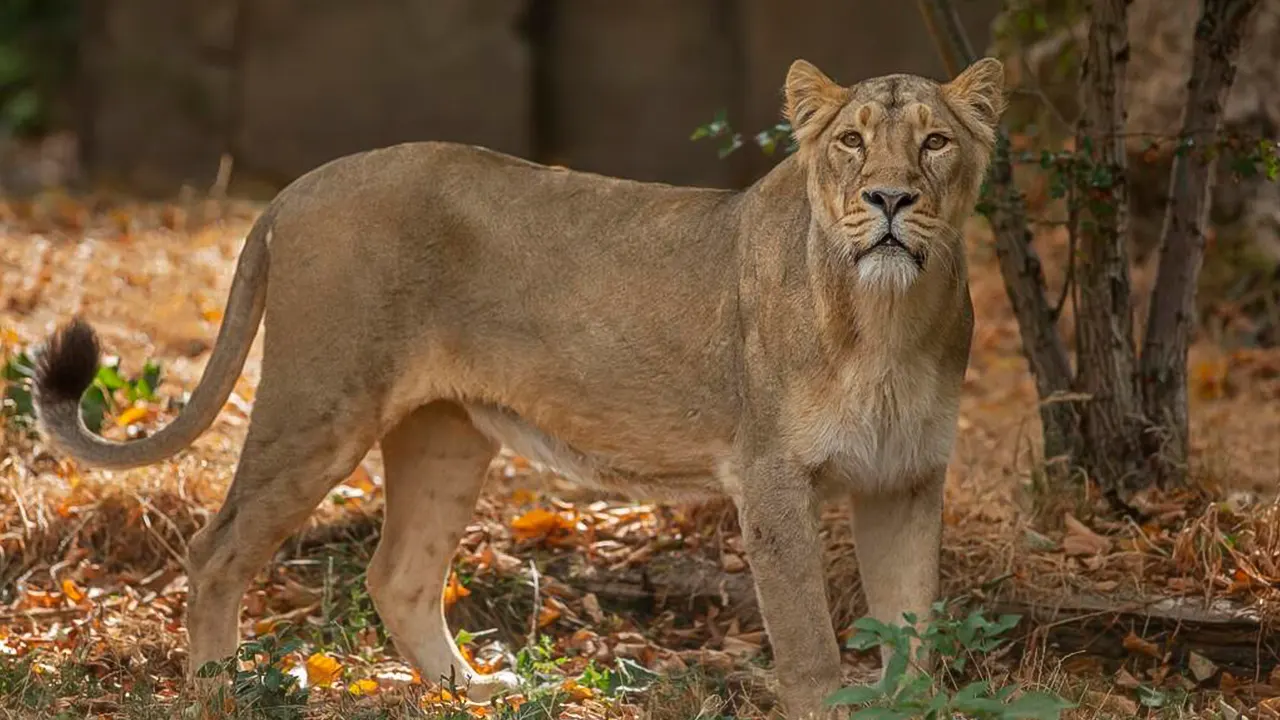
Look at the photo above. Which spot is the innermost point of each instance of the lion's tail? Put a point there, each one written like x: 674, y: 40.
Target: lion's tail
x: 69, y: 362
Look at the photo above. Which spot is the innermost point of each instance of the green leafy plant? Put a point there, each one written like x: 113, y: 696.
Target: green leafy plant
x: 350, y: 619
x: 627, y: 676
x: 768, y: 140
x: 109, y: 393
x: 264, y: 689
x: 906, y: 692
x: 16, y: 402
x: 537, y: 663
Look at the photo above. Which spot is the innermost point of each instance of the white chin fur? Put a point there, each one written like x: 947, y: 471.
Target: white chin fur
x: 887, y: 272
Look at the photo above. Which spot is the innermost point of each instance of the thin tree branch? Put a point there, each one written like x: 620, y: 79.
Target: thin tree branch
x: 1020, y: 265
x: 1163, y: 373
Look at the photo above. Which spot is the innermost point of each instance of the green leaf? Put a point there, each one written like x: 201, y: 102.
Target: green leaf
x: 1004, y: 624
x: 863, y: 641
x: 151, y: 375
x: 19, y: 367
x: 630, y: 677
x: 916, y: 689
x: 858, y: 695
x: 139, y: 390
x: 972, y: 690
x: 18, y: 402
x: 734, y: 143
x: 872, y: 625
x: 1151, y: 697
x: 93, y: 408
x: 893, y: 671
x: 109, y: 377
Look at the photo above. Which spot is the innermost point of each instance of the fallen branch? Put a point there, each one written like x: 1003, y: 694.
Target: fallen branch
x: 1228, y: 636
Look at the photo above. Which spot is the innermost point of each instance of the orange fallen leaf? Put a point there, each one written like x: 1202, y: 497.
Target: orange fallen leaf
x: 1082, y: 540
x: 133, y: 415
x: 42, y: 599
x: 438, y: 697
x: 361, y: 480
x: 537, y: 523
x: 453, y: 590
x: 72, y: 591
x: 322, y: 669
x: 547, y: 615
x: 576, y: 691
x: 366, y: 686
x: 1135, y: 644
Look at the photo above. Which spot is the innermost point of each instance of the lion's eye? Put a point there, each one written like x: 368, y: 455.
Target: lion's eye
x: 852, y: 140
x: 936, y: 141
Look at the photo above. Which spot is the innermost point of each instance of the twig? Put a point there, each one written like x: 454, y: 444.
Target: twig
x: 168, y: 520
x: 146, y: 523
x: 1038, y: 91
x: 537, y: 603
x: 955, y: 30
x: 949, y: 63
x: 1068, y: 283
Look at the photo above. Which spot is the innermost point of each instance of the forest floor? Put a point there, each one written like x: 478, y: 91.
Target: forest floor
x: 642, y: 610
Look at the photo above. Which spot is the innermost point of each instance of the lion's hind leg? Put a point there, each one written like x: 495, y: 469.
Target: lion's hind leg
x: 436, y: 462
x: 300, y: 445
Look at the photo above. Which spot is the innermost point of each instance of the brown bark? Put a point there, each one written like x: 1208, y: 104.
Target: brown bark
x: 1107, y: 362
x: 1230, y: 637
x: 1163, y: 375
x: 1037, y: 323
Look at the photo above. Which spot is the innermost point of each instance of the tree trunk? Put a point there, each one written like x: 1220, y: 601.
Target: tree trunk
x: 1037, y: 323
x: 1111, y: 424
x: 1163, y: 374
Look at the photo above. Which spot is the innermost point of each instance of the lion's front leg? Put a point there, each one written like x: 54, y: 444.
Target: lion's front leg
x: 899, y: 538
x: 778, y: 509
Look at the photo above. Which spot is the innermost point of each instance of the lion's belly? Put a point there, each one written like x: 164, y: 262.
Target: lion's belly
x: 682, y: 474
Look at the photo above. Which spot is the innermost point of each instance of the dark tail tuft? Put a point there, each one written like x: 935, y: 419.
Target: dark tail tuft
x: 68, y: 364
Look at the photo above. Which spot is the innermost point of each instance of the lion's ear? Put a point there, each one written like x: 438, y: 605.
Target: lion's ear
x: 977, y: 94
x: 812, y: 99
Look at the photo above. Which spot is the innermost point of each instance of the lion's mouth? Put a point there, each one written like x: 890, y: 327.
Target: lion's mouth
x: 890, y: 243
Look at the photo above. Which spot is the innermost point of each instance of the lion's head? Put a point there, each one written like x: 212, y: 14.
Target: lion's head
x: 894, y: 164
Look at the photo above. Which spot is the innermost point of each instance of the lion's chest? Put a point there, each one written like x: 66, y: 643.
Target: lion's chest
x: 879, y: 428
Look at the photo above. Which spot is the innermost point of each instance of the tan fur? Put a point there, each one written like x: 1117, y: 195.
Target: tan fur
x: 640, y: 337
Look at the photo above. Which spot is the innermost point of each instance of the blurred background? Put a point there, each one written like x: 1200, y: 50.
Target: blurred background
x: 146, y: 97
x: 155, y: 92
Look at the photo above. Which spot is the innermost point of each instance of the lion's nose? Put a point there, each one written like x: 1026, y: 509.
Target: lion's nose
x: 890, y: 200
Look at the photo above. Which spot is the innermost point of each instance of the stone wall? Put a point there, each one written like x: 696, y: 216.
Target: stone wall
x: 611, y: 86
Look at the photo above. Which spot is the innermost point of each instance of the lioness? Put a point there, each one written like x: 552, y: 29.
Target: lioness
x: 802, y: 338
